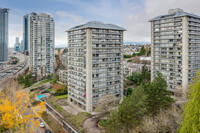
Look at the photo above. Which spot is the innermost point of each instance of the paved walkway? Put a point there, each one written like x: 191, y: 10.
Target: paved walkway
x: 69, y: 107
x: 91, y: 125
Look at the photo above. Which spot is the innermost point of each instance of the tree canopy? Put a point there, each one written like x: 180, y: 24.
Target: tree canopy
x: 158, y: 97
x: 146, y: 100
x: 191, y: 110
x: 129, y: 113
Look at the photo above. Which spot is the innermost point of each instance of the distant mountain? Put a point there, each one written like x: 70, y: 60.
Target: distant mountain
x: 61, y: 46
x: 138, y: 43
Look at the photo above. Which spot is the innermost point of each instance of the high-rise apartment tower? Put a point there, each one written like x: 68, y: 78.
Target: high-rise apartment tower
x: 175, y: 46
x: 26, y: 31
x: 94, y: 63
x: 41, y: 34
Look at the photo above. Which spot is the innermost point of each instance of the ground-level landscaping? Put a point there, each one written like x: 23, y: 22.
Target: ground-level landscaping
x: 54, y: 124
x: 76, y: 120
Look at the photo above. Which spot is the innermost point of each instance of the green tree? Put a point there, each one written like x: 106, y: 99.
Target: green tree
x: 127, y: 56
x: 135, y: 78
x: 145, y: 74
x: 191, y: 110
x: 129, y: 91
x: 134, y: 54
x: 55, y: 79
x: 149, y: 52
x: 27, y: 80
x: 158, y: 95
x: 21, y: 79
x: 129, y: 114
x: 142, y: 51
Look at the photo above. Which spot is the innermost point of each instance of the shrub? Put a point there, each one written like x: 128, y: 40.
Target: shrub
x: 129, y: 60
x: 127, y: 56
x: 35, y: 102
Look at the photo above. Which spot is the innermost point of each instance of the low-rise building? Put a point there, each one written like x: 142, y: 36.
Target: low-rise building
x: 129, y: 68
x: 63, y: 76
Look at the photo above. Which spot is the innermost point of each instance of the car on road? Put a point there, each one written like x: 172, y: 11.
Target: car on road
x: 47, y: 131
x: 41, y: 124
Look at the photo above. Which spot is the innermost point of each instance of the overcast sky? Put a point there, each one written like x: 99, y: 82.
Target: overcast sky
x: 130, y: 14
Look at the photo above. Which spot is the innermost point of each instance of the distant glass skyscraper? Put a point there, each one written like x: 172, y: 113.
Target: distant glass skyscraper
x: 3, y: 35
x: 17, y: 44
x: 26, y: 31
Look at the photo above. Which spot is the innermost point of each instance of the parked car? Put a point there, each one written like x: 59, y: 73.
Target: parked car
x: 41, y: 124
x: 47, y: 131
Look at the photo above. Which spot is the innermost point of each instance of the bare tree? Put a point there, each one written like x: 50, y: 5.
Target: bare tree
x: 11, y: 87
x: 164, y: 122
x: 106, y: 104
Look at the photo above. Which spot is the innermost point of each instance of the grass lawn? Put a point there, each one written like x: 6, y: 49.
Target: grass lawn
x: 43, y: 82
x: 74, y: 119
x: 103, y: 123
x: 51, y: 90
x: 55, y: 125
x: 61, y: 97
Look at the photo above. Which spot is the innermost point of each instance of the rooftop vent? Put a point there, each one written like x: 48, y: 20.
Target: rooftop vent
x: 174, y: 11
x: 97, y: 22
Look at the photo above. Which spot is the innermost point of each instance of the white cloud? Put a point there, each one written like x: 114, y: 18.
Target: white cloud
x: 137, y: 25
x: 130, y: 14
x: 71, y: 17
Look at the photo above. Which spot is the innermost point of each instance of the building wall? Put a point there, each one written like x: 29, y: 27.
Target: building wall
x: 185, y: 53
x: 176, y: 48
x: 94, y: 65
x: 41, y: 40
x: 63, y: 76
x: 88, y: 70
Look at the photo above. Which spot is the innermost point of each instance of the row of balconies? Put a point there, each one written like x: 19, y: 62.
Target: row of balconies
x: 168, y: 25
x: 106, y: 32
x: 194, y: 20
x: 76, y: 32
x: 168, y: 20
x: 106, y: 37
x: 107, y: 42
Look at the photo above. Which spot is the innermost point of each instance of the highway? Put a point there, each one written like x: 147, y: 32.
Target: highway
x: 14, y: 70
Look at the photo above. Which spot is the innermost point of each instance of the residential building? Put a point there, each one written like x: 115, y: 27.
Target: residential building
x: 63, y: 76
x: 129, y: 68
x: 17, y: 44
x: 175, y: 46
x: 94, y: 63
x: 41, y: 36
x: 22, y: 46
x: 4, y: 12
x: 26, y: 31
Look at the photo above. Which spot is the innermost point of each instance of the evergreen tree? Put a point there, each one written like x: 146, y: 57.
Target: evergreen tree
x: 191, y: 112
x: 158, y: 95
x: 142, y: 51
x: 145, y: 74
x: 129, y: 113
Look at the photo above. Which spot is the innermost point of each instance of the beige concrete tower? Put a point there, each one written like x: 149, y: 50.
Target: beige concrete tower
x: 175, y: 47
x: 94, y: 63
x: 41, y: 33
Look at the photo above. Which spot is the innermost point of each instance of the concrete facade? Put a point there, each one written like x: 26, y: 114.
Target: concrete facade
x: 41, y: 40
x: 94, y: 63
x: 63, y: 76
x: 175, y: 47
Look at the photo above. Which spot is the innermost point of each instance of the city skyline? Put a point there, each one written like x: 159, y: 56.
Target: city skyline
x: 130, y: 14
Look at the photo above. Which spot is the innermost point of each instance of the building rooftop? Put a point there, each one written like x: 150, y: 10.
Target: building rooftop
x: 4, y: 8
x: 172, y: 13
x: 96, y: 24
